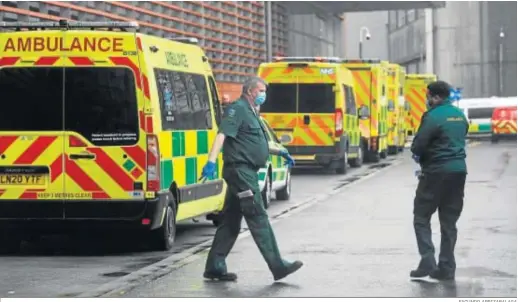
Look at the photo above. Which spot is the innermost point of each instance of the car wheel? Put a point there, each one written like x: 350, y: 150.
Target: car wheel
x: 285, y: 193
x: 164, y: 236
x: 267, y: 191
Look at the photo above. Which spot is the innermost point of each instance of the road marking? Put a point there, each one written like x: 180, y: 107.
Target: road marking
x: 176, y: 261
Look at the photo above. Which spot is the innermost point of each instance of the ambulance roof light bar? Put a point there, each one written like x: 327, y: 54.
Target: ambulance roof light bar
x: 65, y: 24
x: 187, y: 40
x: 308, y: 59
x: 369, y: 61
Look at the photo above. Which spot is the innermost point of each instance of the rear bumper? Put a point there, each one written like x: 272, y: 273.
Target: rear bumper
x: 79, y: 213
x: 317, y: 155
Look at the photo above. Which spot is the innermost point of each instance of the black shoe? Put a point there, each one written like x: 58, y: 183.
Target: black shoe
x: 220, y: 276
x: 288, y: 270
x: 440, y: 274
x: 419, y: 273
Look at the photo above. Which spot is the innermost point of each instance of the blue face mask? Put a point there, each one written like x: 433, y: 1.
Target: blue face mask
x: 260, y: 98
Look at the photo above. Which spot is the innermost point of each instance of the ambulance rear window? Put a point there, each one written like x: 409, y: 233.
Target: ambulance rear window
x: 99, y: 103
x: 280, y: 98
x: 31, y: 99
x: 316, y: 98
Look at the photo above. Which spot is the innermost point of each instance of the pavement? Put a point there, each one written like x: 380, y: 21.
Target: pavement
x: 91, y: 264
x: 359, y: 242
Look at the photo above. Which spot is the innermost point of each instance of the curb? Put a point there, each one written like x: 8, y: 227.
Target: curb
x: 176, y: 261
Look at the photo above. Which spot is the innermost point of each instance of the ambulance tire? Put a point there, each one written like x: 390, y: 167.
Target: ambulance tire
x: 285, y: 193
x: 342, y: 165
x: 163, y: 238
x: 392, y: 150
x: 400, y: 149
x: 358, y: 161
x: 494, y: 139
x: 384, y: 154
x: 374, y: 157
x: 266, y: 194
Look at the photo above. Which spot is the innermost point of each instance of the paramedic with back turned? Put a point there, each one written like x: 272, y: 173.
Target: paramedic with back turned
x: 439, y: 148
x: 245, y: 151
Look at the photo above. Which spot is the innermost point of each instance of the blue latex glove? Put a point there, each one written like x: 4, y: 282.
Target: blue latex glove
x: 290, y: 162
x: 415, y: 158
x: 208, y: 170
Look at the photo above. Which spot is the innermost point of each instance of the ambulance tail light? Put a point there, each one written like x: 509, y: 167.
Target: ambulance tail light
x: 339, y: 118
x: 153, y: 164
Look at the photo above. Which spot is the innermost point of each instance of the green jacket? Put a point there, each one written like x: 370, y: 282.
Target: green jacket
x: 440, y: 141
x: 245, y: 141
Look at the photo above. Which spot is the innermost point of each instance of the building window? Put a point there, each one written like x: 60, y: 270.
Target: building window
x: 401, y: 18
x: 392, y: 20
x: 410, y: 15
x: 420, y: 13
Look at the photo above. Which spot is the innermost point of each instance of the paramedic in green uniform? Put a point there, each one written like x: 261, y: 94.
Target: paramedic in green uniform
x: 439, y: 148
x: 245, y: 151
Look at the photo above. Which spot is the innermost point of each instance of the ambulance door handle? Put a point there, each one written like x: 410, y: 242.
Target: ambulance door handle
x: 82, y: 156
x: 306, y: 120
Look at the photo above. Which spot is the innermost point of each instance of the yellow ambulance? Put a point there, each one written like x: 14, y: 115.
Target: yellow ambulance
x: 311, y: 107
x: 415, y: 94
x: 105, y: 126
x: 396, y: 109
x: 370, y: 77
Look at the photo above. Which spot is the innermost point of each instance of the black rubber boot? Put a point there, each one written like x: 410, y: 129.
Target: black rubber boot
x: 419, y: 273
x: 290, y: 269
x: 440, y: 274
x: 220, y: 277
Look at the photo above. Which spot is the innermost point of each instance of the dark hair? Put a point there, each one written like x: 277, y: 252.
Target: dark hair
x: 440, y: 89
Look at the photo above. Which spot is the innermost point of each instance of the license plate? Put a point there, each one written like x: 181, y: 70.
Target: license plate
x: 22, y: 179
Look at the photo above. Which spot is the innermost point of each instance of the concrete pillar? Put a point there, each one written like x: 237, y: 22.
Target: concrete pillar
x: 428, y: 26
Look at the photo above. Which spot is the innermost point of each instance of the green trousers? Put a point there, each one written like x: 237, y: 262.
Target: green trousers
x: 239, y: 179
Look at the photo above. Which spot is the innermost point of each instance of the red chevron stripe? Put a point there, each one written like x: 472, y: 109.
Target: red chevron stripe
x: 35, y: 150
x: 81, y: 61
x: 49, y: 61
x: 80, y: 177
x: 6, y: 142
x: 8, y: 61
x: 100, y: 195
x: 56, y: 168
x: 112, y: 169
x: 137, y: 154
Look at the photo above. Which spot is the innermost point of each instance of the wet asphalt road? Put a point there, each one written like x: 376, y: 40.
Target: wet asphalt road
x: 360, y: 242
x: 64, y: 266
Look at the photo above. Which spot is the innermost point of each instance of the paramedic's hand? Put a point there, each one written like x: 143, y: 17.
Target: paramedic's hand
x: 415, y: 158
x: 290, y: 162
x: 208, y: 170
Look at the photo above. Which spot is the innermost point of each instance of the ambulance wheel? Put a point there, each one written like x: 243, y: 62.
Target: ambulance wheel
x: 342, y: 165
x: 400, y: 149
x: 374, y: 156
x: 384, y: 154
x: 358, y: 161
x: 216, y: 220
x: 164, y: 237
x: 266, y: 194
x: 285, y: 193
x: 494, y: 139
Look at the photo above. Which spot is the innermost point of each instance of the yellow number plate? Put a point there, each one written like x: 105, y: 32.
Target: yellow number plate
x: 22, y: 179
